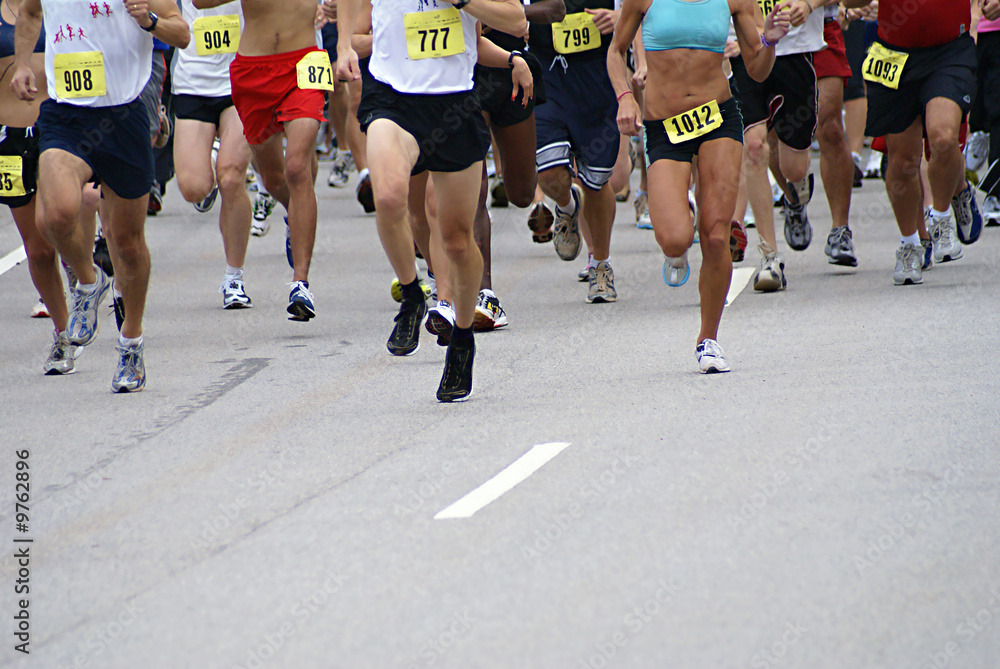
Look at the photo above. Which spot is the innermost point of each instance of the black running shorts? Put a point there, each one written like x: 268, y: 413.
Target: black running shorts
x: 786, y: 100
x: 201, y: 108
x: 659, y: 146
x: 19, y: 173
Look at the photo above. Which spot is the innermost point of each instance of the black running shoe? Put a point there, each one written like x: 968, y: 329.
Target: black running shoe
x: 102, y: 258
x: 405, y: 337
x: 366, y: 196
x: 155, y: 204
x: 118, y: 305
x: 456, y: 382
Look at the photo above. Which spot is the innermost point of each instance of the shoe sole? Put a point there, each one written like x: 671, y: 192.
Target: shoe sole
x: 843, y: 262
x: 366, y: 198
x: 300, y: 312
x: 56, y: 372
x: 714, y: 370
x: 949, y: 258
x: 737, y: 243
x: 439, y: 326
x: 540, y: 225
x: 908, y: 282
x: 601, y: 299
x: 124, y: 390
x: 453, y: 400
x: 238, y: 305
x: 768, y: 285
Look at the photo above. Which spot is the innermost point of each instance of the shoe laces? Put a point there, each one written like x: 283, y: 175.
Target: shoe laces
x: 129, y: 360
x: 840, y: 237
x: 710, y: 347
x: 232, y: 282
x: 911, y: 257
x: 301, y: 287
x: 766, y: 251
x: 454, y: 364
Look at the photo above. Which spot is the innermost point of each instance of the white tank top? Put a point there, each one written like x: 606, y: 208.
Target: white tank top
x: 74, y: 30
x: 208, y: 74
x: 403, y: 29
x: 806, y: 38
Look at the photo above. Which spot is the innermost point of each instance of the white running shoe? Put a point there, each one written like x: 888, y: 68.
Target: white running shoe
x: 489, y: 314
x: 944, y: 236
x: 234, y: 294
x: 991, y: 211
x: 977, y: 151
x: 770, y: 276
x: 710, y: 357
x: 873, y: 170
x: 40, y: 310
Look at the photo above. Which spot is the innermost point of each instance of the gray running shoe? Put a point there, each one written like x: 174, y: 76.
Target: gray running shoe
x: 130, y: 377
x: 567, y: 228
x: 60, y: 360
x: 945, y: 238
x: 770, y: 276
x: 840, y: 247
x: 909, y: 258
x: 928, y: 249
x: 602, y: 284
x: 83, y: 323
x: 339, y: 173
x: 798, y: 231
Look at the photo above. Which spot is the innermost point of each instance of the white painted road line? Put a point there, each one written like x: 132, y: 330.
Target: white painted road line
x: 741, y: 277
x: 12, y: 259
x: 519, y: 470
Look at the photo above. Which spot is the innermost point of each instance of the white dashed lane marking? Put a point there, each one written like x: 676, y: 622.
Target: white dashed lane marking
x: 12, y: 259
x: 741, y: 277
x: 518, y: 471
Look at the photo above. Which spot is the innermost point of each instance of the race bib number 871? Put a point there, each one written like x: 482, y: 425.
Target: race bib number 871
x: 314, y: 72
x: 80, y: 75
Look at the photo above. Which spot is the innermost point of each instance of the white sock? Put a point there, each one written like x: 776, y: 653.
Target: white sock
x: 939, y: 214
x: 125, y: 342
x: 363, y: 173
x: 594, y: 261
x: 572, y: 203
x: 912, y: 239
x: 86, y: 288
x: 233, y: 272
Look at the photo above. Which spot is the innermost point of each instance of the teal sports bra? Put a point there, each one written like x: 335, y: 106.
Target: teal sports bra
x: 676, y: 24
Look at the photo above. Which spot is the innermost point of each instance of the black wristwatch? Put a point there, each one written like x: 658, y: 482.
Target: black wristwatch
x: 462, y: 3
x: 152, y: 26
x: 513, y: 54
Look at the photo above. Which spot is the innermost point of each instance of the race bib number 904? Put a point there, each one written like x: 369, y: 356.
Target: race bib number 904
x: 434, y: 34
x: 575, y: 33
x: 217, y: 34
x: 11, y: 180
x: 884, y: 66
x: 80, y: 75
x: 313, y: 71
x: 693, y: 123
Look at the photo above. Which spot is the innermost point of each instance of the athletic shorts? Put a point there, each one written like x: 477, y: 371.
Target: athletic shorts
x: 266, y: 94
x: 832, y: 61
x: 786, y: 100
x: 449, y: 128
x: 152, y: 93
x: 201, y: 108
x: 113, y: 141
x: 945, y: 71
x: 494, y: 88
x: 986, y: 111
x: 854, y: 44
x: 330, y: 40
x: 18, y: 143
x: 659, y: 146
x: 578, y: 121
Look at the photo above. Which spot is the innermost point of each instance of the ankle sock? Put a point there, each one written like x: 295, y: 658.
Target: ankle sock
x: 461, y: 335
x: 912, y: 239
x: 129, y: 343
x: 412, y: 292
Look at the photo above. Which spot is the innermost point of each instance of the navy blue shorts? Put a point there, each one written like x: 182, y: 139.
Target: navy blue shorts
x: 330, y: 39
x: 578, y: 120
x: 113, y: 141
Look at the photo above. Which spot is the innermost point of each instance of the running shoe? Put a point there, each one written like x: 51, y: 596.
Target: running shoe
x: 928, y: 249
x: 798, y: 230
x: 693, y: 206
x: 969, y: 222
x: 602, y: 284
x: 908, y: 261
x: 489, y: 314
x: 977, y: 151
x: 873, y: 170
x: 131, y: 374
x: 165, y: 129
x: 440, y: 321
x: 155, y: 204
x: 396, y: 289
x: 234, y: 294
x: 263, y: 205
x: 71, y: 277
x: 991, y: 211
x: 60, y: 360
x: 432, y: 288
x: 366, y: 196
x: 676, y: 271
x: 749, y: 221
x: 566, y: 233
x: 300, y: 302
x: 770, y: 276
x: 339, y: 175
x: 102, y: 257
x: 288, y: 245
x: 83, y: 323
x: 206, y: 205
x: 259, y: 228
x: 405, y: 337
x: 737, y: 241
x: 498, y: 195
x: 840, y: 247
x: 710, y: 357
x: 945, y: 238
x: 118, y: 307
x: 40, y: 310
x: 456, y: 381
x: 540, y: 221
x: 251, y: 180
x: 859, y: 174
x: 641, y: 202
x: 584, y: 274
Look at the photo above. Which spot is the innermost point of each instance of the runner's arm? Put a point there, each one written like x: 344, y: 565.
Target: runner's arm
x: 545, y: 12
x: 347, y: 57
x: 751, y: 27
x: 171, y: 28
x: 991, y: 9
x: 629, y: 114
x: 29, y: 27
x: 504, y: 15
x: 491, y: 55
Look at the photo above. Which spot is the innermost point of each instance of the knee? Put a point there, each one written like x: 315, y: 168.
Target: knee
x: 391, y: 198
x: 758, y: 153
x: 831, y: 131
x: 673, y: 242
x: 941, y: 140
x: 457, y: 243
x: 554, y: 181
x: 131, y: 247
x: 40, y: 253
x: 273, y: 179
x: 714, y: 237
x: 520, y: 193
x: 298, y: 172
x: 230, y: 177
x: 193, y: 189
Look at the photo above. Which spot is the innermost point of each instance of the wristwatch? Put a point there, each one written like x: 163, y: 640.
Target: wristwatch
x: 514, y: 54
x: 152, y: 26
x: 462, y: 3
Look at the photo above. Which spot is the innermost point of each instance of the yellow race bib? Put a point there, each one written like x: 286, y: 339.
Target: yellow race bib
x: 884, y: 66
x: 217, y: 34
x: 11, y: 179
x: 767, y: 6
x: 313, y: 71
x: 575, y: 33
x: 694, y: 123
x: 80, y: 75
x: 434, y: 34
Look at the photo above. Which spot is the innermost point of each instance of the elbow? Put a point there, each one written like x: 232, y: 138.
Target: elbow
x: 559, y: 12
x: 520, y: 27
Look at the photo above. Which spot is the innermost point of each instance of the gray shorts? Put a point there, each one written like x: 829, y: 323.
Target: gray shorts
x: 153, y: 92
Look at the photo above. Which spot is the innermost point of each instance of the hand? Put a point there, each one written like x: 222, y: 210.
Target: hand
x: 330, y: 10
x: 991, y: 9
x: 520, y: 75
x: 629, y: 116
x: 799, y: 11
x: 23, y: 84
x: 777, y: 23
x: 639, y: 77
x: 320, y: 19
x: 604, y: 19
x: 347, y: 65
x: 732, y: 49
x: 139, y: 10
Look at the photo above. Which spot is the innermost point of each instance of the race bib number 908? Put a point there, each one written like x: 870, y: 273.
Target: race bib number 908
x: 80, y: 75
x: 11, y: 180
x: 314, y: 72
x: 217, y: 34
x: 693, y: 123
x: 434, y: 34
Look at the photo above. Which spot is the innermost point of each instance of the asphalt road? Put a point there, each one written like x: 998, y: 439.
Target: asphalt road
x: 269, y: 500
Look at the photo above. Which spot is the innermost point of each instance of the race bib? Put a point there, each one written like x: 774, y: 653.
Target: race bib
x: 313, y: 71
x: 217, y: 34
x: 575, y: 33
x: 434, y: 34
x: 80, y: 75
x: 694, y: 123
x: 884, y: 66
x: 767, y: 6
x: 11, y: 179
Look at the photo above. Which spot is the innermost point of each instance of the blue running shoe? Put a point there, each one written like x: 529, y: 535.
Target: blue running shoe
x: 928, y: 260
x: 288, y: 244
x: 83, y: 323
x: 300, y: 302
x: 676, y: 270
x: 130, y: 377
x: 967, y: 216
